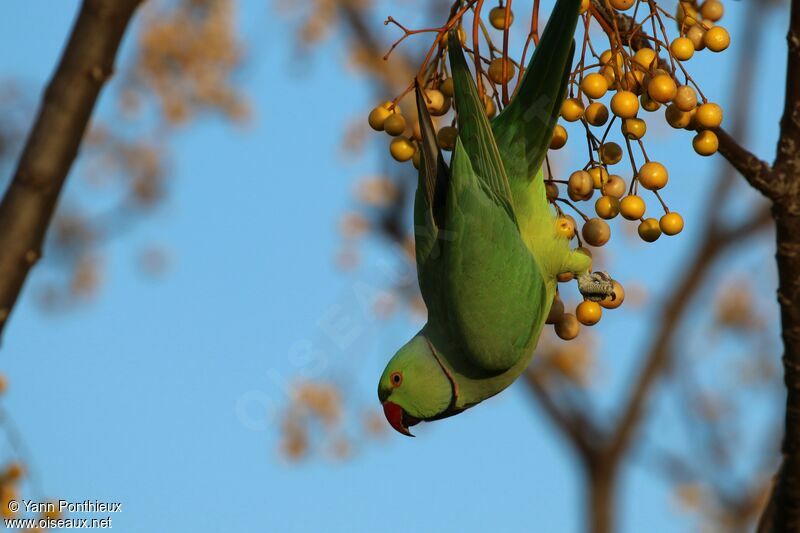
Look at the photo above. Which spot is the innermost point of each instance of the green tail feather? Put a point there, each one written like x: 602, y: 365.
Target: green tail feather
x: 524, y: 129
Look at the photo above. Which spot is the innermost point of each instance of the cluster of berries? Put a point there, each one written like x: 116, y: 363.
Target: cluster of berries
x: 617, y: 90
x: 623, y: 86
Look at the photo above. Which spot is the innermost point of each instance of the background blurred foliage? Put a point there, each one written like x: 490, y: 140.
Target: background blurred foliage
x: 185, y: 65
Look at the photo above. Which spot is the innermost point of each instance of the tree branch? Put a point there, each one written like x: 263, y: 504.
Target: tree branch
x: 52, y: 145
x: 757, y: 172
x: 714, y: 244
x: 571, y: 424
x: 787, y: 161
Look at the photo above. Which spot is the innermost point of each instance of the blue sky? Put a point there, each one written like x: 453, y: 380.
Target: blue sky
x: 138, y: 396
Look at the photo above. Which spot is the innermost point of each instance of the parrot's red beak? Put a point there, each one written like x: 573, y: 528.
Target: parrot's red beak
x: 399, y: 419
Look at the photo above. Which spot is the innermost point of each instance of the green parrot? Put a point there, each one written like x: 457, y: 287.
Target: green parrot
x: 487, y: 252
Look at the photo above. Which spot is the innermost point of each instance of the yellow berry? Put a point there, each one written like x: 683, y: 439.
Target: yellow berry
x: 436, y: 103
x: 462, y: 36
x: 416, y: 159
x: 682, y: 48
x: 686, y: 14
x: 634, y: 128
x: 676, y: 118
x: 443, y: 109
x: 622, y: 5
x: 402, y: 149
x: 488, y: 104
x: 648, y: 104
x: 568, y: 327
x: 551, y: 191
x: 580, y: 185
x: 624, y: 104
x: 632, y: 207
x: 565, y: 227
x: 565, y: 277
x: 696, y: 34
x: 447, y: 87
x: 712, y: 10
x: 607, y: 207
x: 634, y: 81
x: 610, y: 75
x: 447, y: 138
x: 693, y: 125
x: 616, y: 301
x: 614, y: 187
x: 653, y: 176
x: 717, y: 39
x: 662, y: 88
x: 607, y: 57
x: 705, y: 143
x: 497, y: 18
x: 685, y: 98
x: 610, y: 153
x: 496, y: 70
x: 670, y: 224
x: 556, y: 311
x: 572, y: 109
x: 649, y: 230
x: 644, y: 57
x: 596, y: 232
x: 416, y: 132
x: 709, y: 116
x: 596, y: 114
x: 588, y: 313
x: 599, y: 176
x: 394, y: 124
x: 378, y: 116
x: 559, y: 137
x: 594, y: 86
x: 585, y: 4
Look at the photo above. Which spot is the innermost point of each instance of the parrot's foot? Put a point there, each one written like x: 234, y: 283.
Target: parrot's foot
x: 596, y: 286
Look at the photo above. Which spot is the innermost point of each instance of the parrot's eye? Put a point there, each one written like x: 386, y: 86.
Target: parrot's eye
x: 396, y: 378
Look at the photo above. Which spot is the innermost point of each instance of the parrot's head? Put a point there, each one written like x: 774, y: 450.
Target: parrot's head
x: 414, y: 386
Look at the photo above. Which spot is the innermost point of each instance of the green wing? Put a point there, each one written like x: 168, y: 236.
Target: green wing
x: 524, y: 128
x: 495, y: 296
x: 494, y: 291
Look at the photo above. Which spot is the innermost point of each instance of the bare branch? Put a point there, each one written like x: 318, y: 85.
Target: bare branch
x: 571, y: 424
x: 783, y: 511
x: 52, y: 145
x: 714, y: 244
x: 757, y: 172
x: 787, y: 161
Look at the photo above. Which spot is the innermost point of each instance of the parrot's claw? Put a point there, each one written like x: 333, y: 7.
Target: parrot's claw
x: 596, y: 286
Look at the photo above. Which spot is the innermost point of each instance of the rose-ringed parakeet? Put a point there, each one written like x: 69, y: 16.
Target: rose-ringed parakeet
x: 487, y: 251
